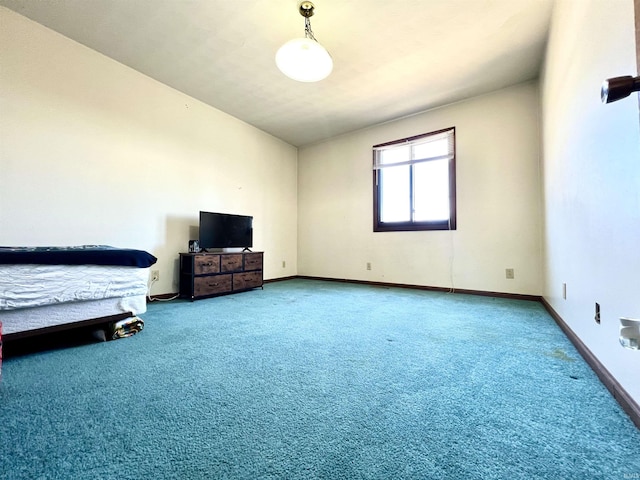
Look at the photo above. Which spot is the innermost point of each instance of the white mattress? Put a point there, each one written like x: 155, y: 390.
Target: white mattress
x: 58, y: 314
x: 27, y: 286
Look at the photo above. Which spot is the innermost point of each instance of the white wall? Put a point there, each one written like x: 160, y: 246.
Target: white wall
x: 498, y: 195
x: 592, y: 179
x: 93, y: 152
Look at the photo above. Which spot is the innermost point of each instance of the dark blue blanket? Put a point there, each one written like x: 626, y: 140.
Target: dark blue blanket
x: 77, y: 255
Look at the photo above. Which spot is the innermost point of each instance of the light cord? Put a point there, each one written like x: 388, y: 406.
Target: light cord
x: 308, y: 33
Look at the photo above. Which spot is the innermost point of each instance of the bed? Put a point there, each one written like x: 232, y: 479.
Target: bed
x: 48, y: 289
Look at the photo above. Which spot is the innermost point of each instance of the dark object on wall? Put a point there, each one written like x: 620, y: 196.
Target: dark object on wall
x: 616, y: 88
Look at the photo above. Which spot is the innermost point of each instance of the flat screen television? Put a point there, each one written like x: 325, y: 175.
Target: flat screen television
x: 222, y: 230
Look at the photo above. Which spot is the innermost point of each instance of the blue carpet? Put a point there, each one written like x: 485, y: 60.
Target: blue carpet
x: 311, y: 379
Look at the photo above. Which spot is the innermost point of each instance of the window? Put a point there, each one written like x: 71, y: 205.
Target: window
x: 414, y: 183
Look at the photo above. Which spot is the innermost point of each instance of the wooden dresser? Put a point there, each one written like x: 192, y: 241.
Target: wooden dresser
x: 204, y: 275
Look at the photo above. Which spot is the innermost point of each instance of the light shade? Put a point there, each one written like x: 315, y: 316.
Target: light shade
x: 304, y: 60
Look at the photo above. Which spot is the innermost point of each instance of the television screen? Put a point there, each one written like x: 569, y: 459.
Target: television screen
x: 221, y: 230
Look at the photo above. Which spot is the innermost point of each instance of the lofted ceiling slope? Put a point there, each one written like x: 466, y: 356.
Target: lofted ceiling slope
x: 392, y: 58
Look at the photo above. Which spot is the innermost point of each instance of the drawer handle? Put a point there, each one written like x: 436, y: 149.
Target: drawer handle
x: 213, y: 284
x: 208, y: 264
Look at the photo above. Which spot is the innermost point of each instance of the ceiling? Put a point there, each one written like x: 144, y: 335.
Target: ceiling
x: 392, y: 58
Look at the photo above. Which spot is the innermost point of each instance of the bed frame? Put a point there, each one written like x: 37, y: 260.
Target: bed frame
x: 100, y: 322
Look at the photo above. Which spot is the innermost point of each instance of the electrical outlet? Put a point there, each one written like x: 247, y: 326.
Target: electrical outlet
x: 284, y: 264
x: 155, y: 275
x: 597, y: 316
x: 368, y: 265
x: 510, y: 274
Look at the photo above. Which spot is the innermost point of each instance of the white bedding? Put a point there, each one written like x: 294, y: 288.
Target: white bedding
x: 27, y: 286
x: 58, y: 314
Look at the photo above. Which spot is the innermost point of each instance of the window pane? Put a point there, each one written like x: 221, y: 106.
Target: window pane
x: 395, y: 202
x: 431, y: 149
x: 395, y: 155
x: 431, y: 190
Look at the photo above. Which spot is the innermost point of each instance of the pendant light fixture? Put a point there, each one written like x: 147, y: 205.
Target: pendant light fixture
x: 304, y: 59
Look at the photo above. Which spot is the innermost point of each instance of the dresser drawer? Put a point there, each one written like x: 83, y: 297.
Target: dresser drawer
x: 204, y: 264
x: 253, y: 261
x: 231, y: 263
x: 211, y: 285
x: 247, y: 280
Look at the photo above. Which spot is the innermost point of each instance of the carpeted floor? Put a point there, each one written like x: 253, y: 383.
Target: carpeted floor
x: 311, y: 379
